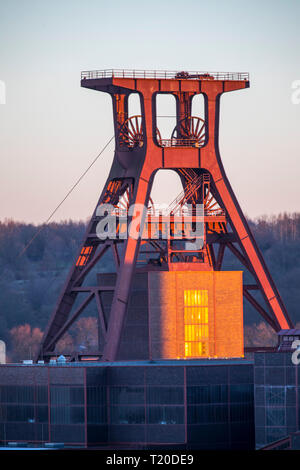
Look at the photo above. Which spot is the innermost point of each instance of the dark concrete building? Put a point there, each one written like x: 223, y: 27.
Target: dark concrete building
x: 192, y: 404
x: 277, y: 397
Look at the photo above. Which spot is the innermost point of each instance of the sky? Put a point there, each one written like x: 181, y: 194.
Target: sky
x: 51, y: 129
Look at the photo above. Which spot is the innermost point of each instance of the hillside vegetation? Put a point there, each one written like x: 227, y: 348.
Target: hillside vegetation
x: 30, y: 284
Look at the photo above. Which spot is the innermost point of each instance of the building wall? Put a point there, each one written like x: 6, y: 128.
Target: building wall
x: 135, y: 336
x: 42, y: 404
x: 167, y: 312
x: 229, y: 327
x: 184, y: 405
x: 155, y: 321
x: 277, y: 397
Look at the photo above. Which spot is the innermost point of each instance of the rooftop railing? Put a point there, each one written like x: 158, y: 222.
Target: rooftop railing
x: 180, y: 143
x: 163, y: 74
x: 154, y: 214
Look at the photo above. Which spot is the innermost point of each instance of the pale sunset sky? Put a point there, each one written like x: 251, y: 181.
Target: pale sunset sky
x: 51, y: 128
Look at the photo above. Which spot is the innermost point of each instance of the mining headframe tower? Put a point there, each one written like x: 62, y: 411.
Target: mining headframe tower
x: 168, y: 297
x: 169, y: 370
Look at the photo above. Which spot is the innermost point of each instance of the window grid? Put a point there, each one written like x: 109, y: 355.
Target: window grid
x: 196, y: 334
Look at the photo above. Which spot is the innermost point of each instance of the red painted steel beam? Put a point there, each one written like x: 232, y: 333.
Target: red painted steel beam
x: 70, y: 322
x: 138, y: 165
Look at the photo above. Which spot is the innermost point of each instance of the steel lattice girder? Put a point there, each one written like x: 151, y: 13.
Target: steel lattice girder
x: 134, y: 169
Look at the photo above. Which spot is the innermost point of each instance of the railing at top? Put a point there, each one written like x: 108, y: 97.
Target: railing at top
x: 154, y: 214
x: 179, y: 143
x: 163, y: 74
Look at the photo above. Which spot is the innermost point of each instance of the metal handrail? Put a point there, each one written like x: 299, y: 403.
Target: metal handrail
x: 165, y: 212
x: 163, y: 74
x: 188, y: 142
x: 284, y: 443
x: 281, y: 444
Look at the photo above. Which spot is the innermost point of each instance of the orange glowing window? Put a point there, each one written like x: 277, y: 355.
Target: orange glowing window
x: 196, y: 323
x: 84, y: 256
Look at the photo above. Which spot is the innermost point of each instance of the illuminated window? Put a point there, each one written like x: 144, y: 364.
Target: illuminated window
x: 196, y: 323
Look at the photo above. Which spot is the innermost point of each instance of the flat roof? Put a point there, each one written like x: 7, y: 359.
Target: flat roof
x: 174, y: 362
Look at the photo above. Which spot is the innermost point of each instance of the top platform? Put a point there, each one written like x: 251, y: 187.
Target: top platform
x: 164, y: 75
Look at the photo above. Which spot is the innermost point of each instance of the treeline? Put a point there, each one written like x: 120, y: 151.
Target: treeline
x: 31, y: 282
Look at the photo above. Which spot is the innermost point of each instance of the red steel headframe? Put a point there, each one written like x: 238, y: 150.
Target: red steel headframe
x: 140, y: 153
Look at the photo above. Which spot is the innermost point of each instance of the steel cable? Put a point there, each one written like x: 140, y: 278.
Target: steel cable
x: 66, y: 196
